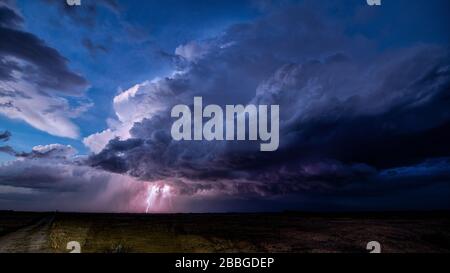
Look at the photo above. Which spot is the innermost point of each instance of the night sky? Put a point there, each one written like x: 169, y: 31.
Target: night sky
x: 86, y: 94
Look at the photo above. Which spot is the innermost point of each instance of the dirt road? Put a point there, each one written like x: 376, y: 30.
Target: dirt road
x: 30, y: 239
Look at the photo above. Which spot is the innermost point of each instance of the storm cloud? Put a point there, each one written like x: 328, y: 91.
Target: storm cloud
x: 56, y: 173
x: 35, y: 79
x: 349, y: 113
x: 4, y: 136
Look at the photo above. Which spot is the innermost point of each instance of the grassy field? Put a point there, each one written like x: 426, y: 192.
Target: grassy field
x: 230, y: 233
x: 11, y: 221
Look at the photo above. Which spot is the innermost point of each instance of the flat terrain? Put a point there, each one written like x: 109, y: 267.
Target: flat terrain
x: 230, y: 233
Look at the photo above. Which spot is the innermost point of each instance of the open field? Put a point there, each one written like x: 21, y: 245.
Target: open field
x: 230, y: 233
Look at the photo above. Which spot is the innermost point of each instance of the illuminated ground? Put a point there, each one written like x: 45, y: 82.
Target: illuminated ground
x: 283, y: 232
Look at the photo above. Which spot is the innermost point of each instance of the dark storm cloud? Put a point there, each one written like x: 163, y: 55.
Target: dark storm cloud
x: 7, y: 150
x: 7, y: 67
x: 41, y: 64
x: 37, y: 175
x: 50, y: 184
x: 53, y: 151
x: 347, y: 112
x: 35, y: 79
x: 375, y: 117
x: 9, y: 18
x: 48, y: 68
x: 55, y: 174
x: 4, y: 136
